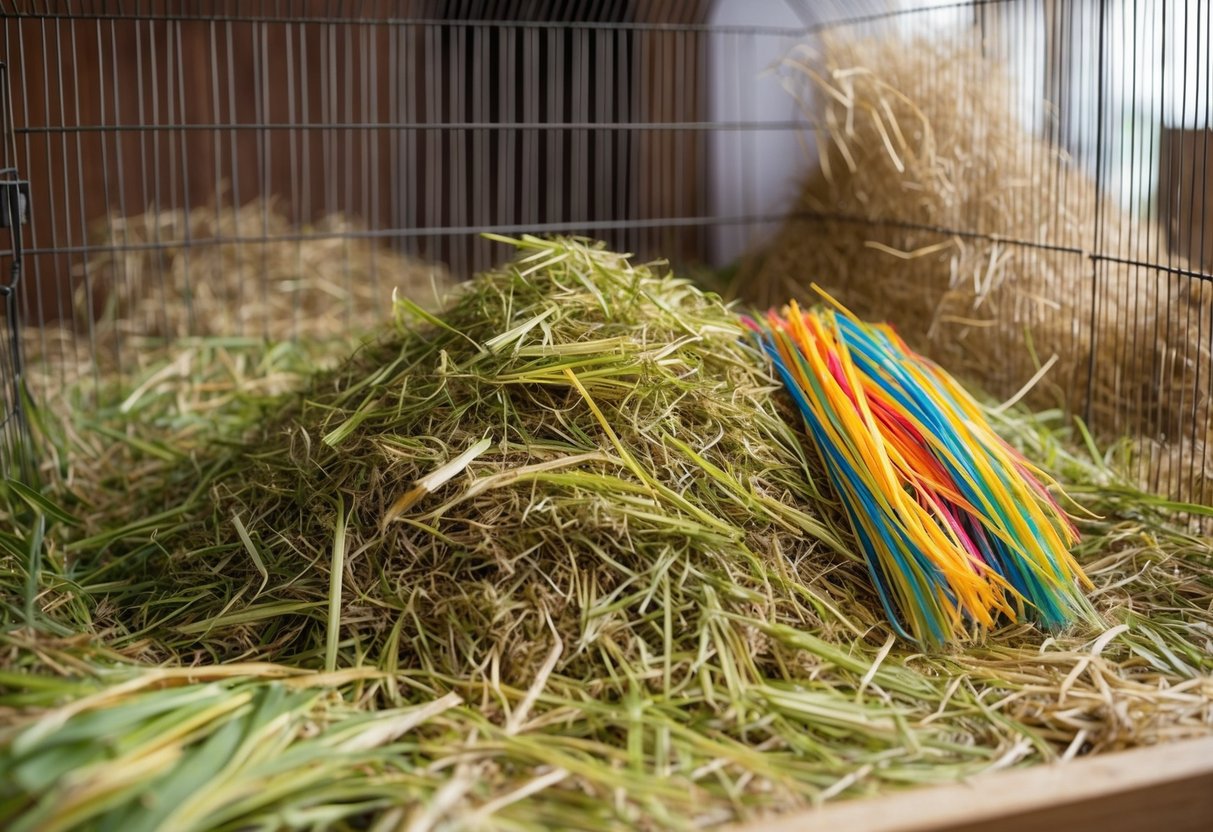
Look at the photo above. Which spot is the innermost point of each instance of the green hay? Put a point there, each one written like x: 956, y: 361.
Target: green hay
x: 654, y: 625
x: 231, y: 747
x: 633, y: 454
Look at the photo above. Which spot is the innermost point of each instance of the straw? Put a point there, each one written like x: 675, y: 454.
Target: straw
x: 219, y: 270
x: 680, y: 644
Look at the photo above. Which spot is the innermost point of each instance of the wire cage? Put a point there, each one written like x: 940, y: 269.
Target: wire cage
x: 15, y: 446
x: 187, y: 160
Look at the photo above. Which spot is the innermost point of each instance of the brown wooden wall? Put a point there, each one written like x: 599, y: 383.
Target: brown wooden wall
x: 127, y: 114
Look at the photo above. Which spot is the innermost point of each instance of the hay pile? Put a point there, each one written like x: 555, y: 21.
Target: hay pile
x: 171, y: 275
x: 174, y: 274
x: 920, y: 136
x: 551, y: 558
x: 611, y: 437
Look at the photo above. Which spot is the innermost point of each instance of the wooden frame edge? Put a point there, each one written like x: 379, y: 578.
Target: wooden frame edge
x: 1167, y: 787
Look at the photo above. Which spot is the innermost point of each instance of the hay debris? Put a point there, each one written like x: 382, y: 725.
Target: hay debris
x: 700, y: 650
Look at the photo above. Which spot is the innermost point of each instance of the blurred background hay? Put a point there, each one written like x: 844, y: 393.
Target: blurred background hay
x: 247, y: 270
x: 933, y: 207
x: 219, y: 271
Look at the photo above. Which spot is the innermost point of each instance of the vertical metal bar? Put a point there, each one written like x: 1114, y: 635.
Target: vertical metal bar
x: 739, y: 237
x: 1116, y: 291
x: 553, y: 179
x: 395, y: 136
x: 579, y: 166
x: 1201, y: 427
x: 1084, y: 142
x: 158, y: 204
x: 16, y: 451
x: 261, y: 109
x: 1161, y: 357
x: 511, y: 78
x: 61, y: 70
x: 410, y: 179
x: 1104, y: 192
x: 638, y: 182
x: 233, y: 133
x: 604, y: 76
x: 1097, y: 237
x: 1048, y: 317
x: 479, y: 185
x: 36, y: 264
x: 372, y: 136
x: 105, y: 173
x: 186, y: 205
x: 80, y: 204
x: 433, y: 140
x: 677, y: 143
x: 347, y: 144
x: 53, y: 234
x: 1068, y: 66
x: 702, y: 47
x: 216, y: 133
x: 744, y: 49
x: 1150, y: 409
x: 1135, y: 406
x: 1011, y: 370
x: 530, y: 115
x: 306, y: 202
x: 457, y: 136
x: 293, y: 131
x: 328, y: 107
x: 165, y: 134
x: 1177, y: 369
x: 625, y: 174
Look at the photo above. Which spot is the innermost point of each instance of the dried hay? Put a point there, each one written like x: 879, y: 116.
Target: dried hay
x: 221, y: 270
x: 617, y: 431
x: 634, y: 589
x: 915, y: 137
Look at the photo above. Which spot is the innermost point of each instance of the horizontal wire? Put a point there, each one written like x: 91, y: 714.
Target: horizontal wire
x: 630, y: 26
x: 564, y: 25
x: 1161, y: 267
x: 432, y: 231
x: 938, y: 229
x: 573, y: 226
x: 731, y: 126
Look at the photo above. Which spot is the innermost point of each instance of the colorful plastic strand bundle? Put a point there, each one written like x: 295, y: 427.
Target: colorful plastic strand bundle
x: 956, y: 525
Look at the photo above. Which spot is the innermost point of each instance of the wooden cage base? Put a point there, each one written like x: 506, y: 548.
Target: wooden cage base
x: 1164, y: 788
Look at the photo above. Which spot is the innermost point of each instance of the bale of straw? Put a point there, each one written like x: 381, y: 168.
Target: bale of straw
x: 914, y: 138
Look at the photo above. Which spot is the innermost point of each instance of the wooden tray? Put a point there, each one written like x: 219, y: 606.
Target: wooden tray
x: 1164, y: 788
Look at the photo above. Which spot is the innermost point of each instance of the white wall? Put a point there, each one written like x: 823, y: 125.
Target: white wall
x: 756, y: 172
x: 752, y: 172
x: 1157, y: 72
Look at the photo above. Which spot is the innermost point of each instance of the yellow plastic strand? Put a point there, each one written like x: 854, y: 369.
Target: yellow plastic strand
x: 958, y: 528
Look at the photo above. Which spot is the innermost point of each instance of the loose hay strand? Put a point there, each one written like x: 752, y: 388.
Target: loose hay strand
x: 336, y: 570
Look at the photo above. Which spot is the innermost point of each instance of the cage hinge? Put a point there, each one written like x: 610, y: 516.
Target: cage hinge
x: 14, y: 203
